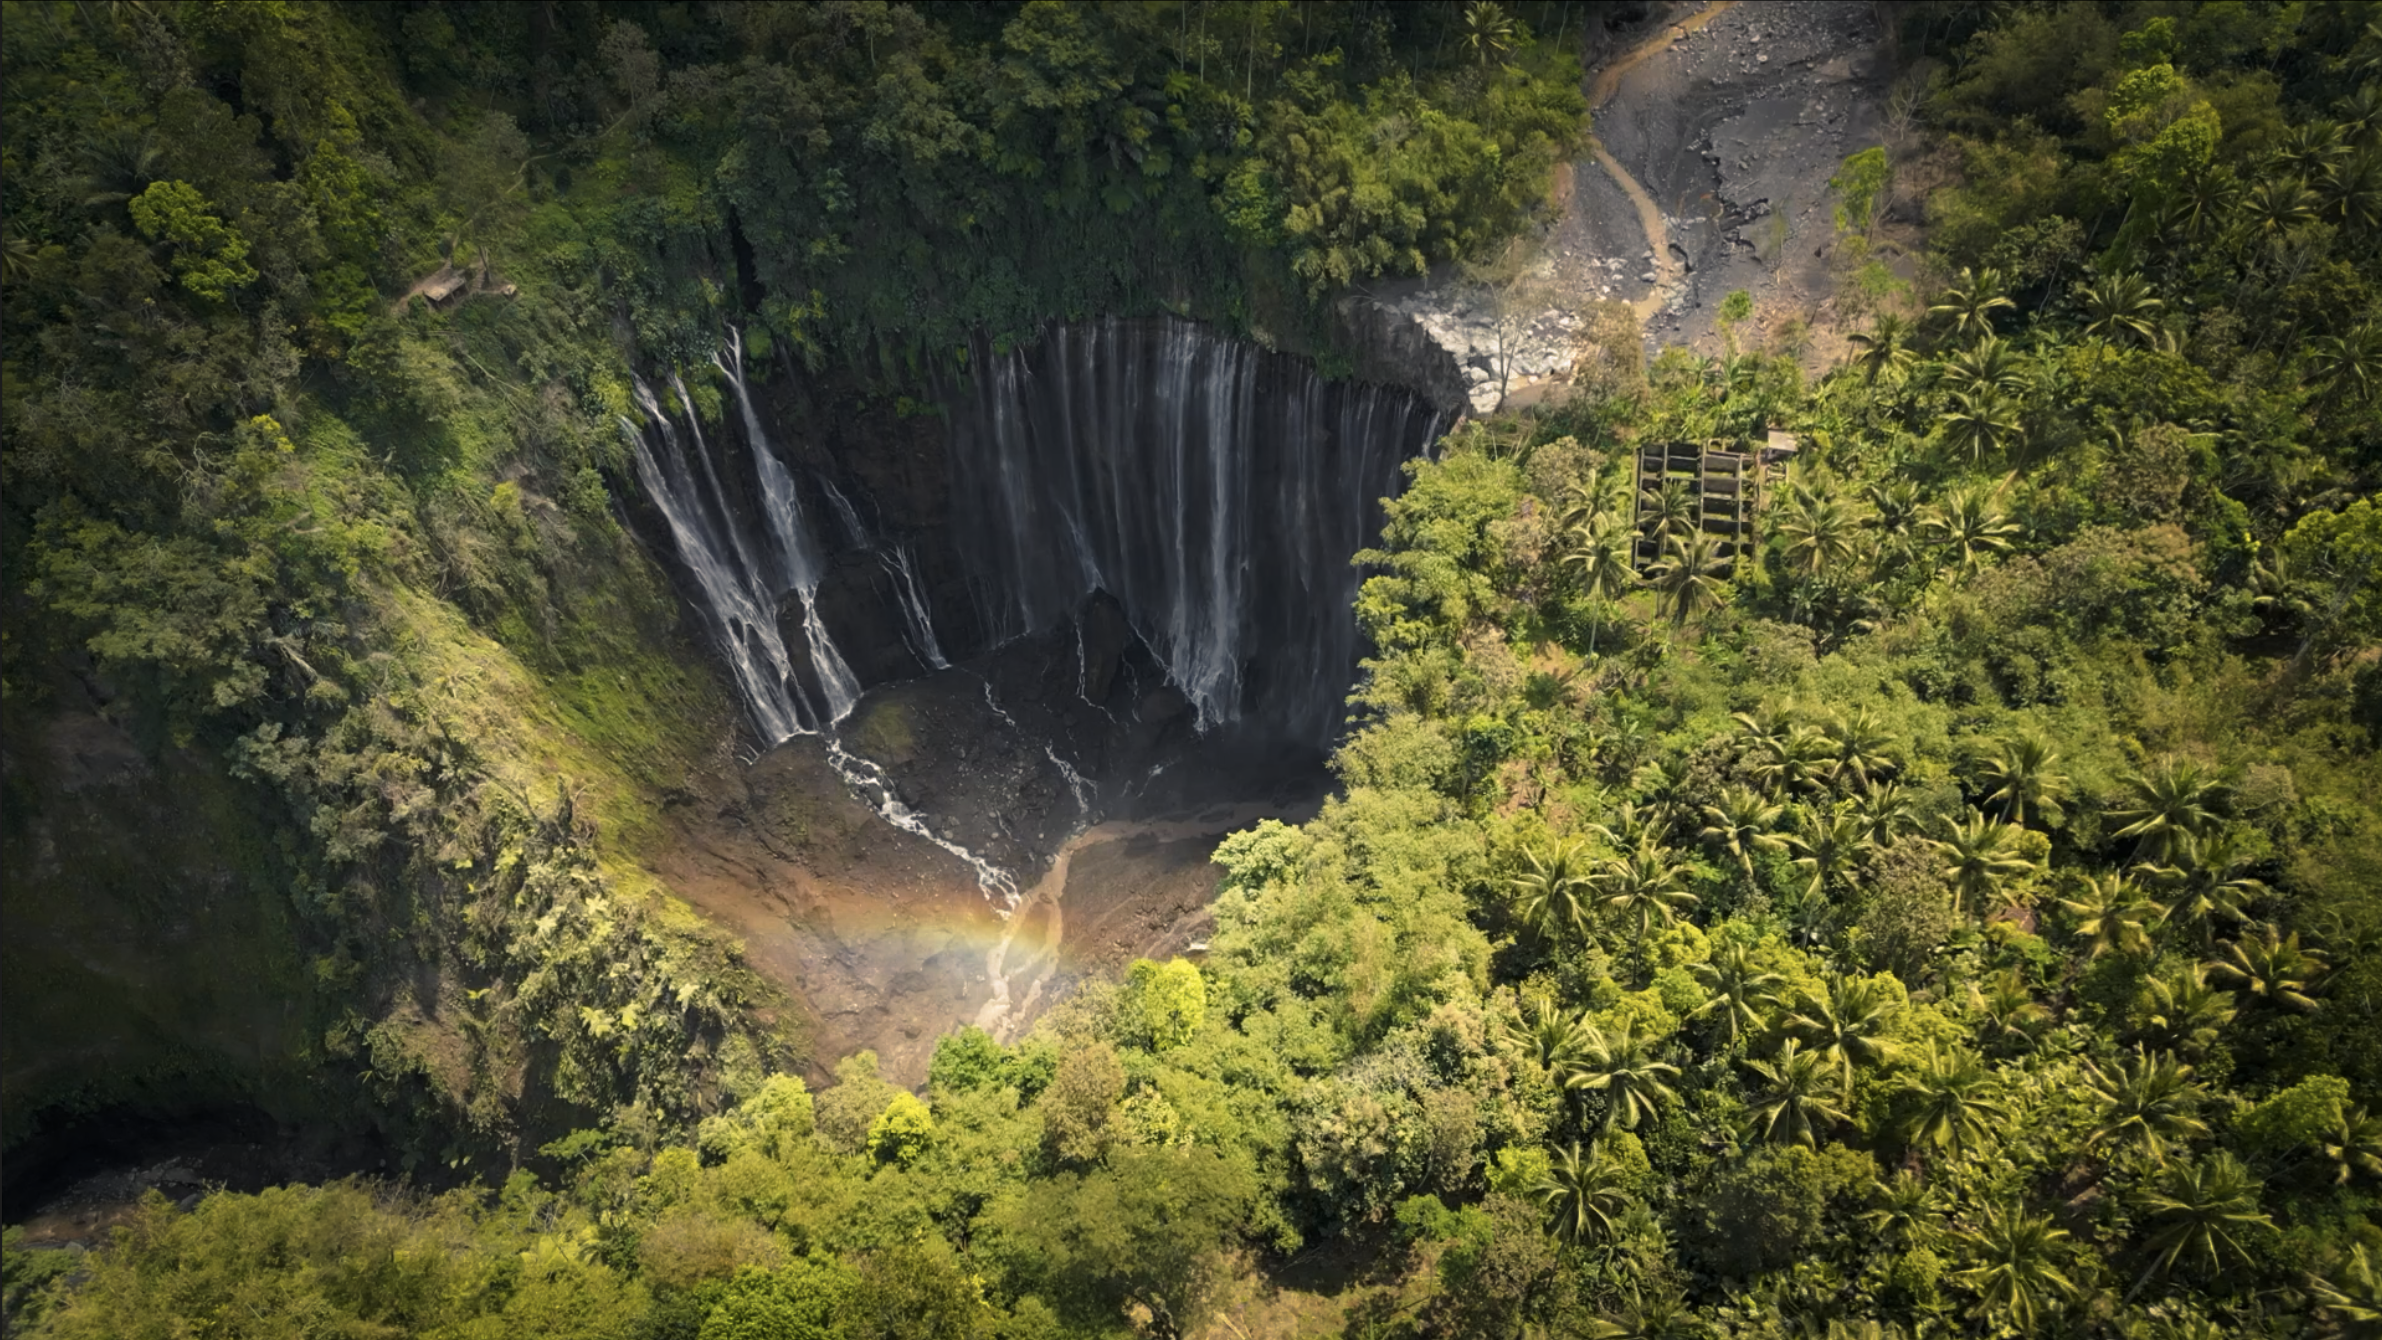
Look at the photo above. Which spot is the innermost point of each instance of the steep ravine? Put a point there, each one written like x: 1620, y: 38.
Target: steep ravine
x: 1095, y: 612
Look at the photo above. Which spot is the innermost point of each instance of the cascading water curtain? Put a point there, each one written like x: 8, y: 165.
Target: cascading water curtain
x: 743, y: 581
x: 1215, y: 490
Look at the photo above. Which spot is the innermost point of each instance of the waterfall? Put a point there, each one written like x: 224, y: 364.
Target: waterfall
x: 742, y: 585
x: 1215, y: 490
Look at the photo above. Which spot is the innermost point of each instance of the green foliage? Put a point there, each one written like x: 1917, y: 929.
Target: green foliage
x: 1859, y: 184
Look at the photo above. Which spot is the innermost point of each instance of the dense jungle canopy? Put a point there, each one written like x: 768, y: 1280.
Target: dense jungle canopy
x: 1958, y: 913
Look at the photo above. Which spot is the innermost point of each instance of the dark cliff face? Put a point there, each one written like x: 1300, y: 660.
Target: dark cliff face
x: 1152, y: 490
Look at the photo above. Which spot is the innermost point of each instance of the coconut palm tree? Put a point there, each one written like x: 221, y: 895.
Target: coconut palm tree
x: 1905, y: 1212
x: 2349, y: 1296
x: 1885, y: 348
x: 1600, y: 560
x: 2200, y: 207
x: 2014, y: 1266
x: 1618, y: 1063
x: 2199, y: 1213
x: 2352, y: 1143
x: 1644, y: 887
x: 1662, y: 784
x: 1980, y: 859
x: 2113, y: 915
x: 1886, y: 812
x: 2203, y: 881
x: 2181, y: 1010
x: 2119, y: 308
x: 1848, y: 1024
x: 1967, y: 307
x: 1897, y: 510
x: 1796, y: 761
x: 2007, y: 1003
x: 2147, y: 1099
x: 1741, y: 825
x: 1988, y: 367
x: 2171, y: 798
x: 1554, y: 893
x: 1488, y: 30
x: 1686, y: 579
x: 1981, y: 419
x: 1672, y: 510
x: 2350, y: 192
x: 1820, y: 529
x: 2024, y: 774
x: 1831, y: 842
x: 1968, y: 525
x: 2271, y: 967
x: 1947, y: 1102
x: 2348, y: 367
x: 1800, y: 1091
x: 2275, y: 205
x: 1858, y: 746
x: 1546, y: 1033
x: 1743, y: 992
x: 1583, y: 1193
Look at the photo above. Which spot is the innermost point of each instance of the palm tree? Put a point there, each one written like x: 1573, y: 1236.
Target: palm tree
x: 1898, y: 511
x: 2276, y: 205
x: 1743, y: 992
x: 2176, y: 797
x: 1986, y: 368
x: 1616, y: 1063
x: 1905, y: 1212
x: 2202, y: 205
x: 1553, y: 894
x: 2024, y: 775
x: 1831, y: 843
x: 2181, y: 1010
x: 2015, y: 1265
x: 2351, y: 191
x: 1980, y: 859
x: 2348, y: 367
x: 1663, y: 785
x: 1685, y: 580
x: 2350, y: 1297
x: 1488, y: 30
x: 1800, y: 1089
x: 1546, y: 1034
x: 2009, y: 1006
x: 2114, y: 915
x: 1886, y: 348
x: 2199, y: 1212
x: 1968, y: 306
x: 1886, y: 812
x: 1859, y: 742
x: 1673, y: 510
x: 1605, y: 493
x: 2119, y: 307
x: 1643, y: 887
x: 2204, y: 881
x: 1848, y: 1025
x: 2146, y: 1101
x: 1794, y: 761
x: 1600, y: 559
x: 1968, y: 524
x: 1583, y: 1193
x: 1740, y: 825
x: 1820, y: 529
x: 1981, y: 419
x: 2273, y: 968
x: 2352, y: 1143
x: 1945, y: 1103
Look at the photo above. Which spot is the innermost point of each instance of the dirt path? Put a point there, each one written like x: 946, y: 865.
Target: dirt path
x: 1668, y: 268
x: 1046, y: 903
